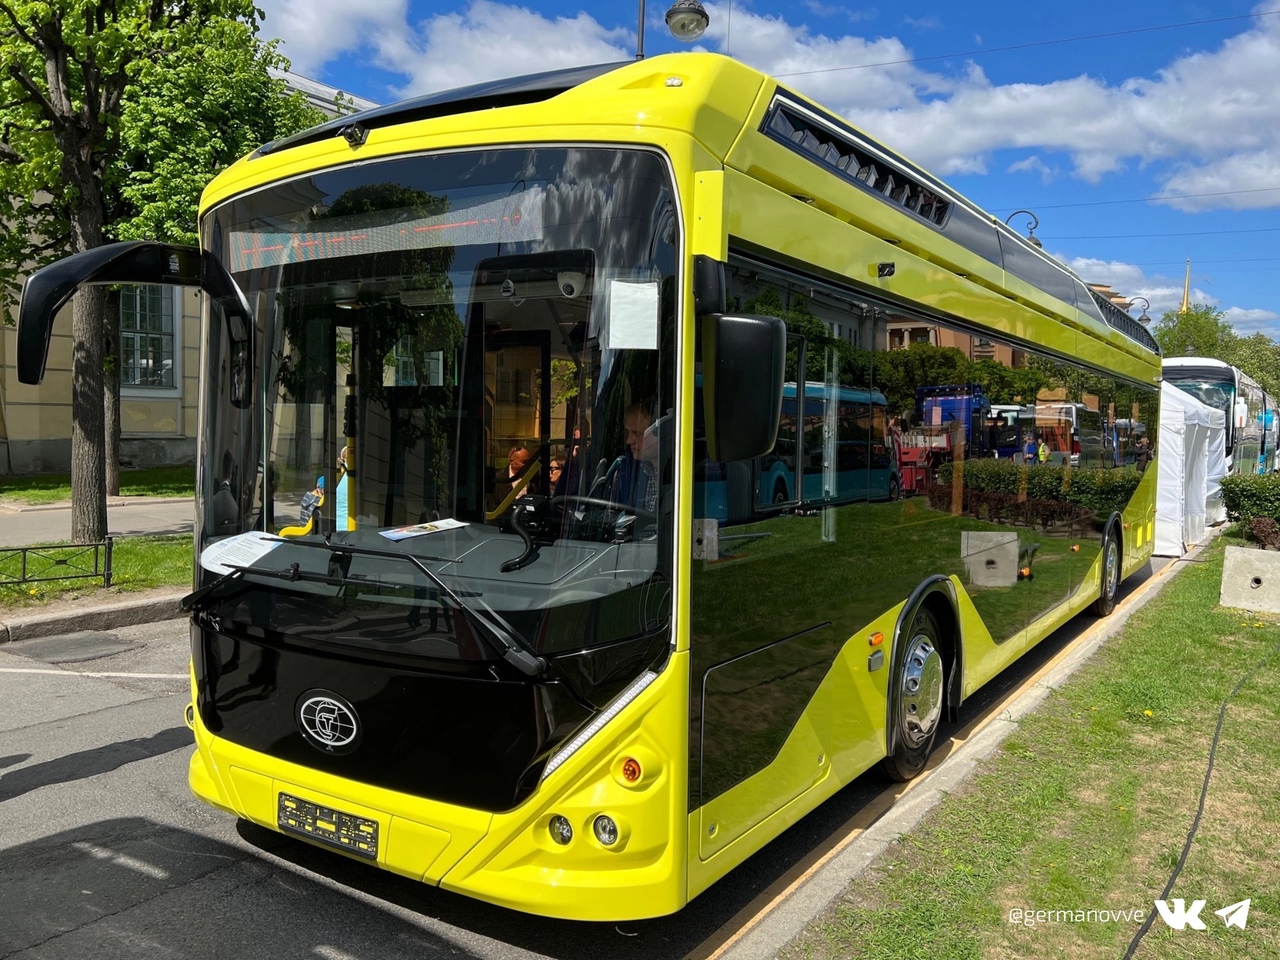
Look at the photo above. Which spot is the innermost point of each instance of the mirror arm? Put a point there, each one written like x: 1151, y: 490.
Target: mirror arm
x: 49, y: 289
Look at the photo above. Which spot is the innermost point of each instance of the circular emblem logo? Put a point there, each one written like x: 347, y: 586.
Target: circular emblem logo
x: 328, y: 722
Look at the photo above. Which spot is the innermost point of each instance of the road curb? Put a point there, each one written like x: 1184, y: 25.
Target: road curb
x: 111, y: 502
x: 125, y: 613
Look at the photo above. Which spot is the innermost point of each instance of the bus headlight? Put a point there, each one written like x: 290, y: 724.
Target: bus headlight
x: 606, y: 830
x: 561, y: 830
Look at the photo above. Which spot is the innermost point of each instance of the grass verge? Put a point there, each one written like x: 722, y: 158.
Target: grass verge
x: 1088, y: 805
x: 39, y: 489
x: 138, y: 563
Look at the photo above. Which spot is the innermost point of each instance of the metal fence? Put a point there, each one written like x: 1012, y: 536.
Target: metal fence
x: 78, y: 561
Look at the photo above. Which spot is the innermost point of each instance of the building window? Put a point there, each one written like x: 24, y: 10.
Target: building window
x: 407, y: 366
x: 146, y: 337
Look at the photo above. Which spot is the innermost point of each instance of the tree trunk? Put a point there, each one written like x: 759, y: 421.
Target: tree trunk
x: 111, y: 383
x: 88, y: 479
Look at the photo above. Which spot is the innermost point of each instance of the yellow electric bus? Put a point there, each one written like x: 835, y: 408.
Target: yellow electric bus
x: 495, y: 587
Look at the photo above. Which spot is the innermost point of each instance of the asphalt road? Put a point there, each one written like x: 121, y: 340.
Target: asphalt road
x: 105, y: 853
x: 28, y: 525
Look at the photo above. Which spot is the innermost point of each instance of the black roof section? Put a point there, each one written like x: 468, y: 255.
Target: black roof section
x: 508, y: 92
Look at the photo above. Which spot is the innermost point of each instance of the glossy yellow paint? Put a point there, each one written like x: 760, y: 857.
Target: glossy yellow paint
x: 841, y: 735
x: 518, y: 865
x: 732, y: 182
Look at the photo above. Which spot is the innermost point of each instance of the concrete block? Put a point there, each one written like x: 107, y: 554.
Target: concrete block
x: 706, y: 540
x: 1251, y: 580
x: 990, y: 557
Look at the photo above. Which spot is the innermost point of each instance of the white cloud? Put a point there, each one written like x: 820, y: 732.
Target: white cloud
x: 1212, y: 185
x: 1033, y: 164
x: 1208, y: 122
x: 489, y: 40
x: 316, y: 31
x: 1165, y: 293
x: 1248, y: 322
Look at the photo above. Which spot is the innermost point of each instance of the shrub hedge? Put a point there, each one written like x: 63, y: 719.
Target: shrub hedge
x: 1098, y: 491
x: 1251, y: 495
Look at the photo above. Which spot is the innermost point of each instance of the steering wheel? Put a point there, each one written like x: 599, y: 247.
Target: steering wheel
x: 603, y: 503
x: 604, y: 506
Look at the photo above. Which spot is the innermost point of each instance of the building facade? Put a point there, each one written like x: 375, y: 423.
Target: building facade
x: 159, y: 367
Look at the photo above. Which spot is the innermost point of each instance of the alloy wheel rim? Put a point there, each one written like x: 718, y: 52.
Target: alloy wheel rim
x: 921, y: 693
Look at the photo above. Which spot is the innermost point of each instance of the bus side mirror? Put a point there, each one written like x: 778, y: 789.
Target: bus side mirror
x: 743, y: 358
x: 48, y: 290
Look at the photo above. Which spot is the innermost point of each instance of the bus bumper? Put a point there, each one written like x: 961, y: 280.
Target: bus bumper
x: 511, y: 858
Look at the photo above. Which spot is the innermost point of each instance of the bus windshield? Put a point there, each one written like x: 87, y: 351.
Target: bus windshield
x: 460, y: 360
x: 1219, y: 394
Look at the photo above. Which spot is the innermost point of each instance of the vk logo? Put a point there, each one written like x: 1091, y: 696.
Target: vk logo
x: 1180, y: 917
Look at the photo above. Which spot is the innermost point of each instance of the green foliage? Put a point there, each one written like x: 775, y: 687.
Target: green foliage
x: 1200, y: 332
x: 114, y: 115
x: 1259, y: 357
x: 189, y: 114
x: 1250, y: 495
x: 1098, y: 491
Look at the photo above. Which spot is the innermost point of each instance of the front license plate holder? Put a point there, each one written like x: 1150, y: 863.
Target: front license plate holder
x: 327, y: 826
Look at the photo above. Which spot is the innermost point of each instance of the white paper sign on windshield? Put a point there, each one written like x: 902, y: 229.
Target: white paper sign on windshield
x: 633, y: 315
x: 242, y: 550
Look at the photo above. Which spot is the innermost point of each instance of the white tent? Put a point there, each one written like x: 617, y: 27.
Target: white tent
x: 1188, y: 430
x: 1215, y: 510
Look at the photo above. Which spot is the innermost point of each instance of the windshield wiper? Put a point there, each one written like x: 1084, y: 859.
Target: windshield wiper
x: 191, y: 599
x: 515, y: 650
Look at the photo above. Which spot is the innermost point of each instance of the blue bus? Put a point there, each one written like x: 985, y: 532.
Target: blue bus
x: 835, y: 449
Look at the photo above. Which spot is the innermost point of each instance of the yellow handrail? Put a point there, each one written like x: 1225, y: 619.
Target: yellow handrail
x: 516, y: 490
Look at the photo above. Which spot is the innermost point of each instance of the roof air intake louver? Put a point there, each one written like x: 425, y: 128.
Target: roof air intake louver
x: 828, y: 146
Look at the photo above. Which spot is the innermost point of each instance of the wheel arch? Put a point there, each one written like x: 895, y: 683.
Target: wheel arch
x: 938, y: 595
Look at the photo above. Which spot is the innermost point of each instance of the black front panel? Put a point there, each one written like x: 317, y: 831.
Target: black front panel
x: 473, y: 740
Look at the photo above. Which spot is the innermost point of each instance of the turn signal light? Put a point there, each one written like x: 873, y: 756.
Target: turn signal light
x: 876, y: 639
x: 630, y: 770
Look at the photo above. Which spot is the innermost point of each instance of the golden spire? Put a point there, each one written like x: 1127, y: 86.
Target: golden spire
x: 1186, y: 291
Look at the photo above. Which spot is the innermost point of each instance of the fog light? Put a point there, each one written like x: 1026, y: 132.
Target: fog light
x: 606, y: 830
x: 561, y: 830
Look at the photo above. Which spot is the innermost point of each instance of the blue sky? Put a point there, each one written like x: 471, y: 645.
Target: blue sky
x: 1178, y: 101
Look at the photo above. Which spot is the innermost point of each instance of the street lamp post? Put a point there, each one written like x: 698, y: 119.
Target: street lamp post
x: 1031, y: 230
x: 1146, y: 305
x: 687, y: 20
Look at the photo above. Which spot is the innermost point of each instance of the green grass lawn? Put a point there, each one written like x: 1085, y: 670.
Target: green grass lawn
x: 138, y: 563
x: 44, y: 488
x: 1088, y: 805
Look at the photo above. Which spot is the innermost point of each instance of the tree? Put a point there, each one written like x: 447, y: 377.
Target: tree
x: 1259, y: 357
x: 73, y: 171
x: 1200, y: 332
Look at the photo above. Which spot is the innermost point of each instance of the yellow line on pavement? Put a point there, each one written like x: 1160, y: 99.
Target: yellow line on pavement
x: 750, y: 916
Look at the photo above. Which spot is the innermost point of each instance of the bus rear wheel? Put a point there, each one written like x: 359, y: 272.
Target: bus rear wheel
x: 918, y: 692
x: 1110, y: 575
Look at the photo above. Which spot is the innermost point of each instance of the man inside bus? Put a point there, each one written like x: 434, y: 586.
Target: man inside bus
x: 635, y: 473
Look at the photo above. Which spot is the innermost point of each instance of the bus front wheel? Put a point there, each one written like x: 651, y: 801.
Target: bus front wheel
x: 919, y: 694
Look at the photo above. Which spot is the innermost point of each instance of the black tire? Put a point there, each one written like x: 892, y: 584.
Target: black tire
x: 895, y: 491
x: 1110, y: 573
x: 779, y: 492
x: 918, y: 691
